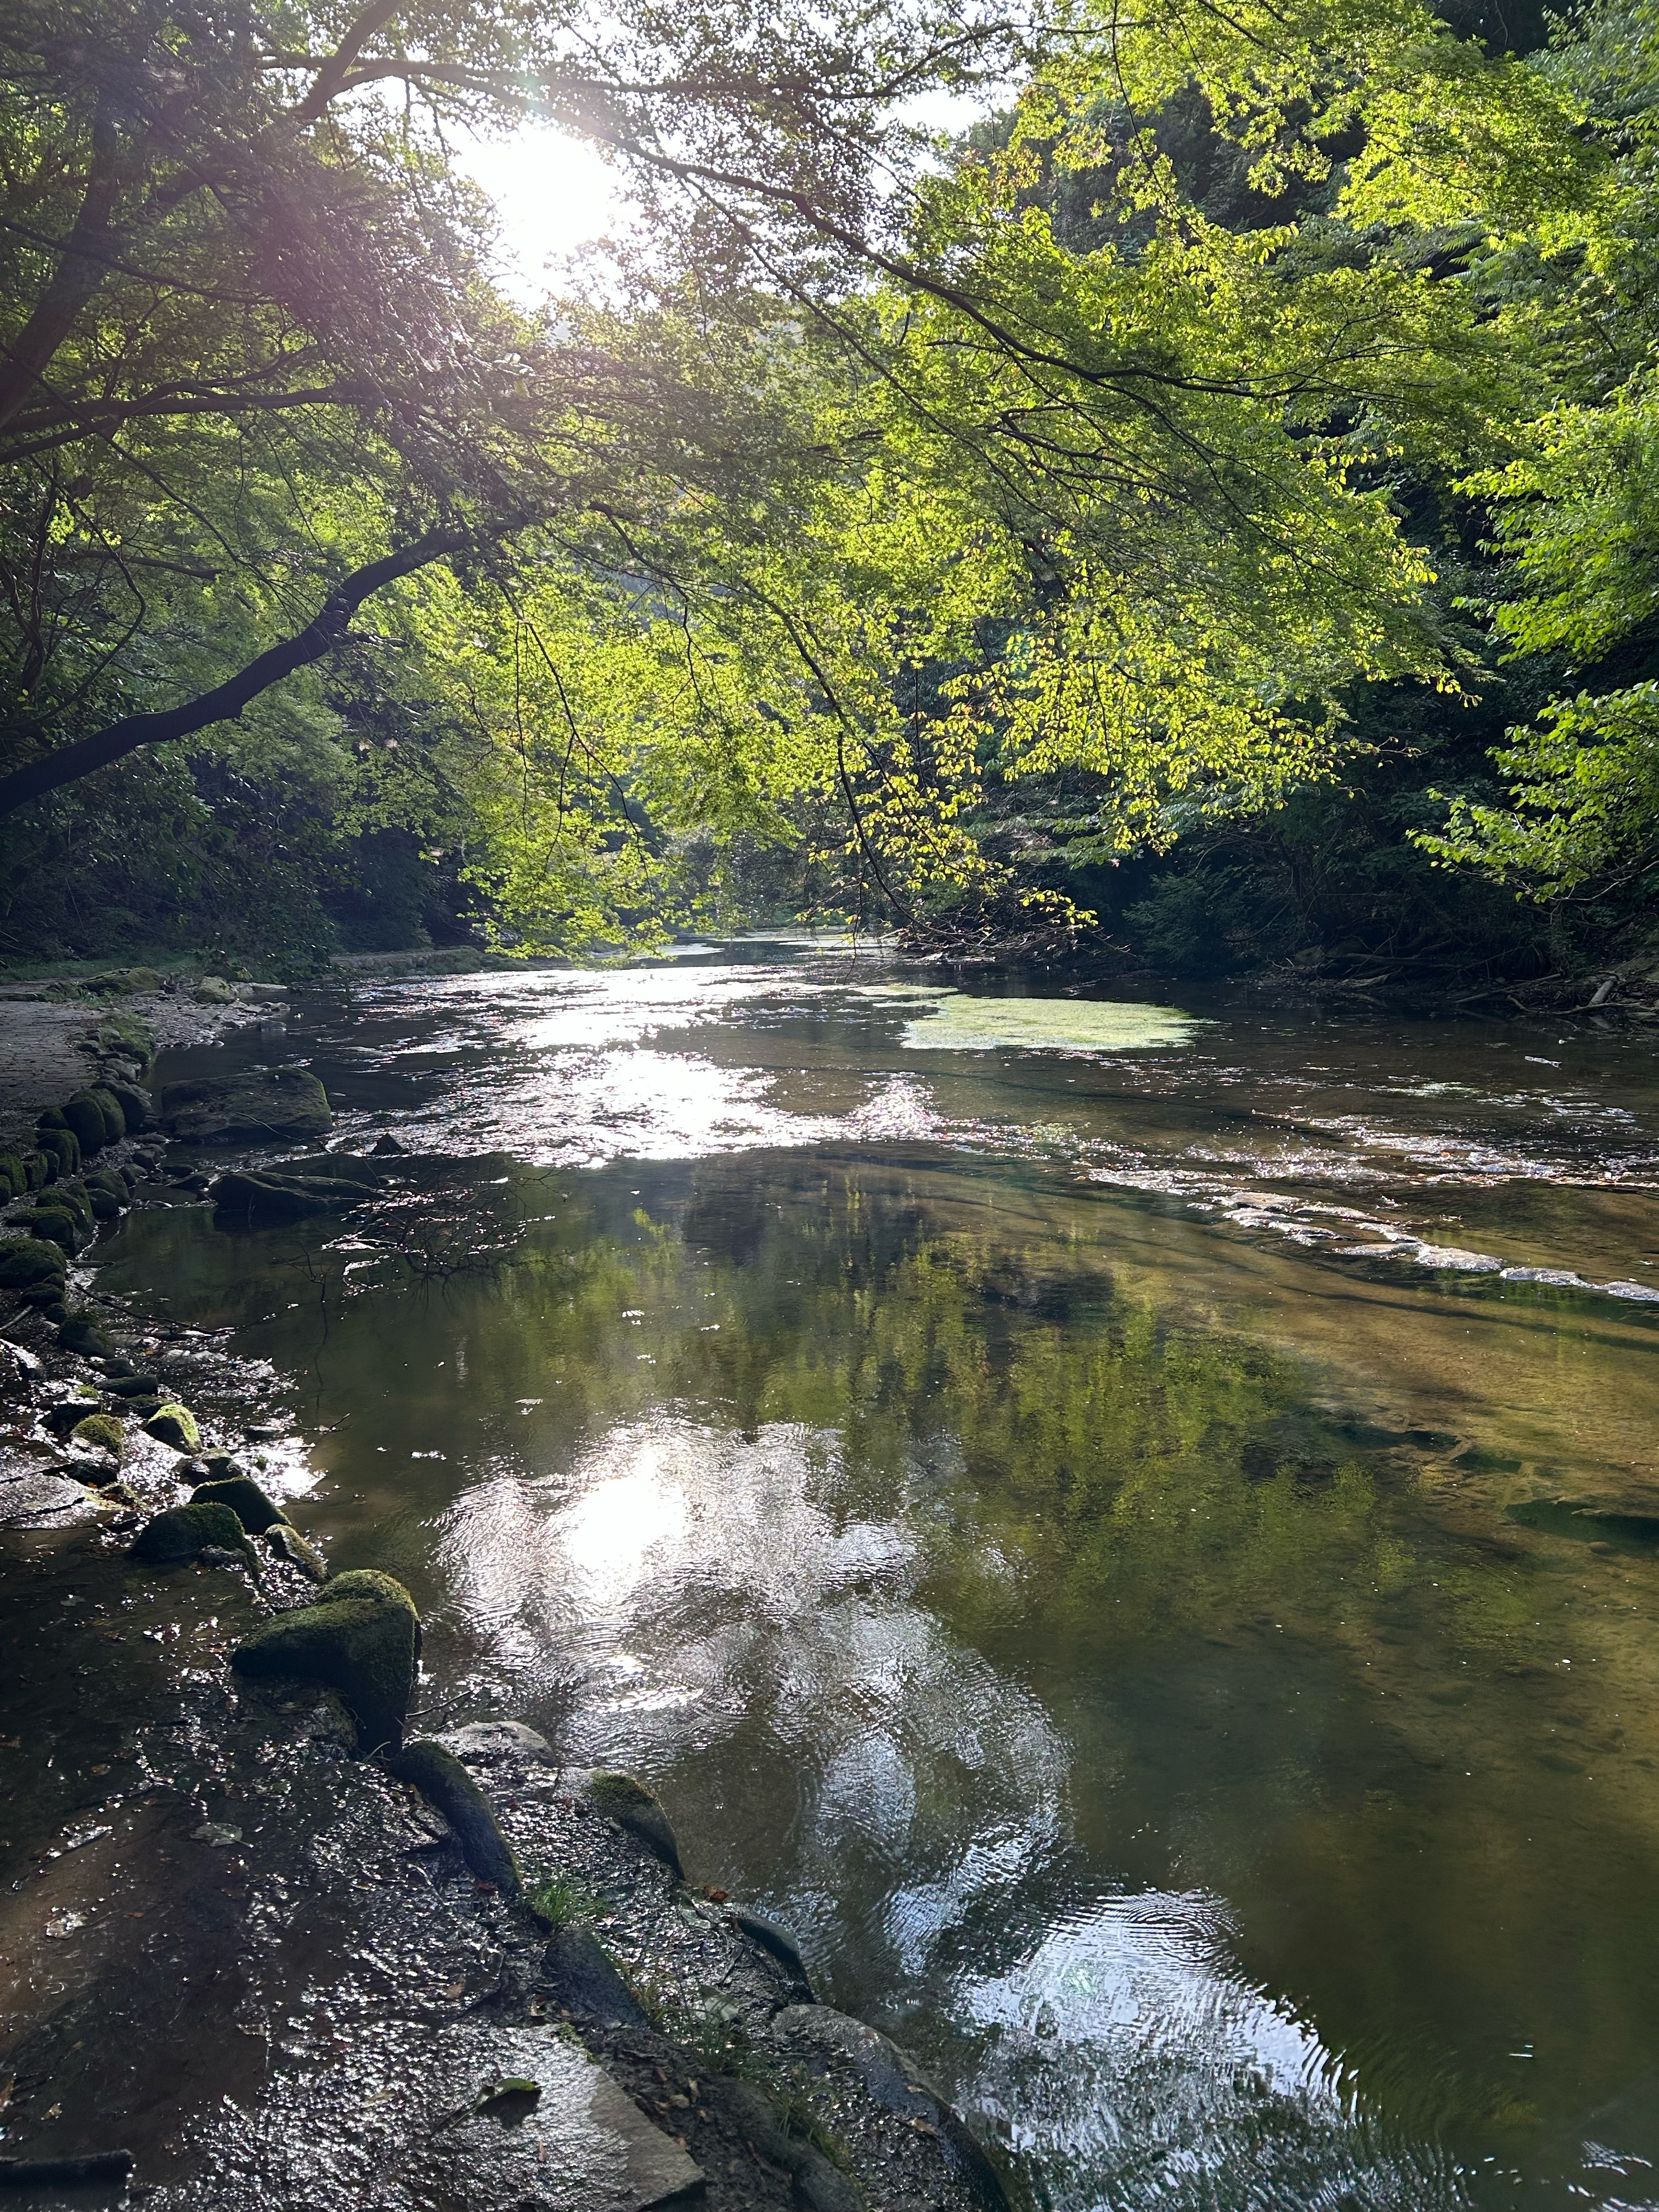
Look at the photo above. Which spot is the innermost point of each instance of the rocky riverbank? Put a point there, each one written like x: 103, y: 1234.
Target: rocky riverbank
x: 266, y: 1946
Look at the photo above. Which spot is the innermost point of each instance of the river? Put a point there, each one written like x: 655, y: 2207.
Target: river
x: 1134, y: 1530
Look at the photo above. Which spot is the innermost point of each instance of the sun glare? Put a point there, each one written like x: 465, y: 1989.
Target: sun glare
x: 553, y: 195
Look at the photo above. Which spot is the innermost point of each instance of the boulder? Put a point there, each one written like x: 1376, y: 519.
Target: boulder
x: 102, y: 1432
x: 245, y: 1499
x: 38, y: 1169
x: 14, y: 1176
x: 135, y: 1103
x: 72, y: 1192
x: 62, y: 1148
x: 183, y: 1533
x: 626, y: 1801
x: 771, y: 2130
x: 136, y: 1386
x: 270, y: 1104
x: 491, y: 1743
x: 360, y: 1635
x: 387, y: 1147
x: 107, y: 1193
x: 439, y: 1775
x: 213, y: 990
x: 175, y: 1424
x: 777, y: 1941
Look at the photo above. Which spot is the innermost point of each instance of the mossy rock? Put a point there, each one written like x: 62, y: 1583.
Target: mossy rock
x: 72, y: 1192
x: 213, y: 990
x: 86, y: 1116
x: 38, y: 1169
x: 58, y: 1420
x: 103, y: 1432
x: 78, y: 1335
x: 54, y: 1224
x: 623, y: 1799
x: 136, y: 1109
x: 62, y: 1148
x: 359, y: 1636
x: 245, y: 1499
x: 439, y: 1775
x: 183, y: 1533
x: 30, y: 1267
x: 175, y: 1424
x: 14, y: 1176
x: 107, y: 1194
x: 115, y: 1120
x: 50, y: 1117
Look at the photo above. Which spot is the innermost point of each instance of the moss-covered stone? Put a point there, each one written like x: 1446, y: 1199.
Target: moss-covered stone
x: 183, y: 1533
x: 84, y: 1337
x: 135, y: 1103
x: 14, y: 1177
x: 359, y: 1636
x: 72, y: 1192
x: 103, y: 1432
x: 38, y: 1169
x: 245, y: 1499
x: 58, y: 1420
x: 50, y: 1117
x: 115, y: 1121
x: 62, y: 1148
x: 27, y: 1266
x: 213, y: 990
x: 625, y: 1800
x: 56, y: 1224
x: 175, y: 1424
x: 439, y: 1775
x: 86, y: 1116
x: 107, y: 1194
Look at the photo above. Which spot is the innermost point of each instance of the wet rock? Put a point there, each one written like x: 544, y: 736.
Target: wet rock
x: 487, y: 1743
x: 14, y: 1176
x: 245, y: 1499
x: 580, y: 1980
x: 440, y: 1776
x: 770, y: 2131
x: 107, y: 1193
x: 832, y: 2042
x: 37, y: 1494
x: 213, y: 990
x: 279, y: 1104
x: 386, y: 1147
x: 136, y: 1386
x: 626, y: 1801
x: 184, y: 1532
x: 30, y: 1267
x: 777, y: 1941
x: 359, y: 1635
x: 174, y: 1425
x: 263, y: 994
x: 289, y: 1544
x: 101, y: 1432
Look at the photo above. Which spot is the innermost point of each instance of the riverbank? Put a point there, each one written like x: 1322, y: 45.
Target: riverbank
x: 271, y: 1972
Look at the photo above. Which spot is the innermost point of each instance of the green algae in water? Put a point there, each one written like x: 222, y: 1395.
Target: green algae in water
x: 961, y: 1024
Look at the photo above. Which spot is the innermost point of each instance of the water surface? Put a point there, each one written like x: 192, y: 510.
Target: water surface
x: 1098, y: 1518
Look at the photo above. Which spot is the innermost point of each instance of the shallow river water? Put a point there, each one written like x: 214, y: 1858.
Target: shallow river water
x: 1137, y: 1536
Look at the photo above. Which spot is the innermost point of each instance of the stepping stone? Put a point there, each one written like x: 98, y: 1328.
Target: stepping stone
x: 35, y: 1495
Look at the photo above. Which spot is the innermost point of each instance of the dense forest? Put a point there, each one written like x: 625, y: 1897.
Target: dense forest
x: 1205, y: 516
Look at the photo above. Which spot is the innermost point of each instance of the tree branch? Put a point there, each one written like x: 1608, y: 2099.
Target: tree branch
x: 76, y: 277
x: 225, y: 700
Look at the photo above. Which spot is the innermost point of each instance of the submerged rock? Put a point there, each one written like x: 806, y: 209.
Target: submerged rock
x: 485, y: 1743
x: 439, y: 1775
x: 274, y: 1197
x: 184, y: 1532
x: 360, y: 1635
x: 626, y: 1801
x: 777, y: 1941
x: 279, y: 1103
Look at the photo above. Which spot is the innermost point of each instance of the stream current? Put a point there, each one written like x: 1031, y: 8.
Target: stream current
x: 1136, y: 1535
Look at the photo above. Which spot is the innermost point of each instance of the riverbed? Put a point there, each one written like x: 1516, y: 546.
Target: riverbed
x: 1131, y: 1528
